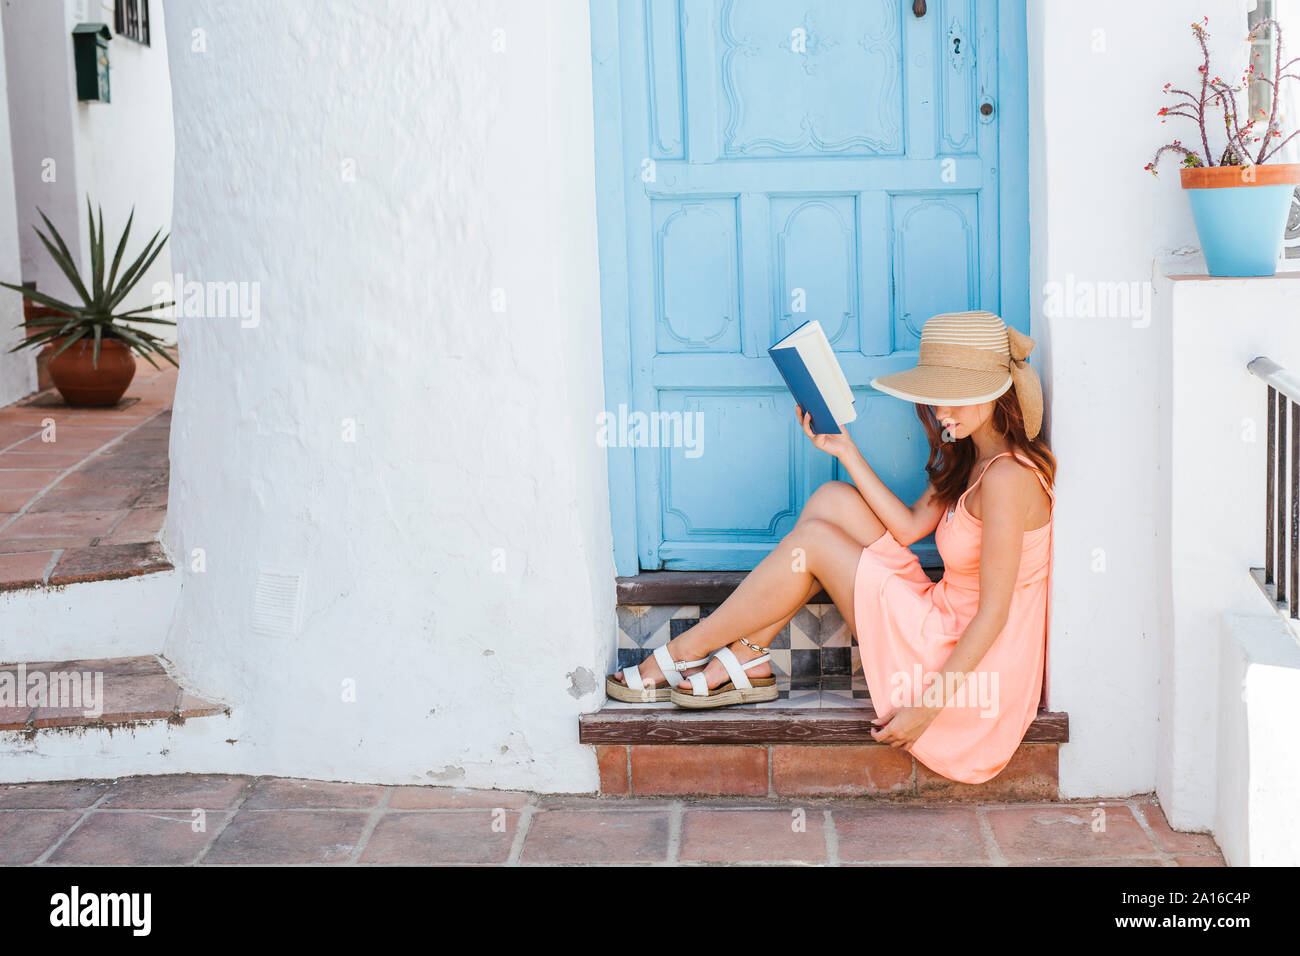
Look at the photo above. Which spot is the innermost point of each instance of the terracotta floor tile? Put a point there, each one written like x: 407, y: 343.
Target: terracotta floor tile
x: 26, y: 834
x: 288, y: 836
x: 447, y: 798
x: 1088, y: 861
x: 442, y: 836
x: 44, y: 459
x: 72, y: 500
x: 66, y: 441
x: 165, y: 838
x: 1067, y: 832
x: 13, y: 501
x: 178, y: 792
x: 109, y: 560
x: 27, y: 545
x: 140, y: 525
x: 54, y: 795
x: 154, y: 496
x: 15, y: 718
x: 1174, y: 841
x: 63, y: 523
x: 124, y: 699
x: 729, y: 836
x: 28, y: 479
x: 1200, y: 860
x: 12, y: 433
x: 142, y: 666
x: 909, y: 833
x: 596, y: 836
x: 284, y: 792
x: 101, y: 477
x: 24, y: 569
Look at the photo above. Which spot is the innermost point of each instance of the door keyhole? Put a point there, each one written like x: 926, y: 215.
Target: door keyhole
x: 956, y: 46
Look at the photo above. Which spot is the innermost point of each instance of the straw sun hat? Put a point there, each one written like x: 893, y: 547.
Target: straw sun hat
x: 967, y: 358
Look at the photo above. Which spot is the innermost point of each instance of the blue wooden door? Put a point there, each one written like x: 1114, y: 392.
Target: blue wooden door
x: 762, y: 163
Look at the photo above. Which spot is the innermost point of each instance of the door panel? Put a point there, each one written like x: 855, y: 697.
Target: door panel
x: 777, y: 161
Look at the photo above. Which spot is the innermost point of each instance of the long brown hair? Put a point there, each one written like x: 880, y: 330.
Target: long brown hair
x: 950, y: 462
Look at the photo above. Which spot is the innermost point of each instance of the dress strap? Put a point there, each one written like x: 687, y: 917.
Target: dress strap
x: 1041, y: 479
x: 981, y: 477
x: 1021, y: 458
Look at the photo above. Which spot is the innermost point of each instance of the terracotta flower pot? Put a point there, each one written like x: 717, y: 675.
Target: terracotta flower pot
x: 1241, y: 214
x: 81, y: 384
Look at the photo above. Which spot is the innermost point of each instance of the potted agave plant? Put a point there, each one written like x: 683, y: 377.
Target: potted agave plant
x: 92, y: 362
x: 1240, y: 201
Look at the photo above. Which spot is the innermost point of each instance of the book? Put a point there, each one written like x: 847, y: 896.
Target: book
x: 807, y: 362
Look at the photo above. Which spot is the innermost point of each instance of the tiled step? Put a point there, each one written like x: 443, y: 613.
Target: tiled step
x: 93, y: 694
x: 813, y: 740
x: 659, y: 749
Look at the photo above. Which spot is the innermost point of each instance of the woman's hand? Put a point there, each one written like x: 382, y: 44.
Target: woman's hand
x: 838, y: 444
x: 903, y: 726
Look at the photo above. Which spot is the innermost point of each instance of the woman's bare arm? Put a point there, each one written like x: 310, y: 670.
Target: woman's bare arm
x: 1004, y: 502
x: 907, y: 524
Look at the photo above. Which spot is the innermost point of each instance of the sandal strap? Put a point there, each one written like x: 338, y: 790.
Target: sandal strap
x: 736, y: 670
x: 699, y: 684
x: 668, y: 665
x: 632, y: 677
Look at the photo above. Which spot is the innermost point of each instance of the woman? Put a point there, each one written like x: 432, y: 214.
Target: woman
x: 954, y: 668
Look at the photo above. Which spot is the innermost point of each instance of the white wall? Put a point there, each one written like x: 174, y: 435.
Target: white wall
x: 17, y: 369
x: 1258, y: 771
x: 1096, y: 75
x: 456, y: 557
x: 125, y: 148
x: 1216, y: 416
x: 120, y: 152
x: 42, y: 96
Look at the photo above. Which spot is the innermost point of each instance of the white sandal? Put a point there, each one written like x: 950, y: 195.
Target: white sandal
x: 638, y: 691
x: 741, y: 689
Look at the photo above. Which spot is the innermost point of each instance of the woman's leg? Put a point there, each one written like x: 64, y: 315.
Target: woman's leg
x: 836, y: 519
x: 777, y: 588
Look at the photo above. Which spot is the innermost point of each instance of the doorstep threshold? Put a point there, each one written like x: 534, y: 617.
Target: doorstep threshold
x: 669, y: 724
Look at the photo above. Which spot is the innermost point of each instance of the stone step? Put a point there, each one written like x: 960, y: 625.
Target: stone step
x: 107, y: 693
x: 661, y: 750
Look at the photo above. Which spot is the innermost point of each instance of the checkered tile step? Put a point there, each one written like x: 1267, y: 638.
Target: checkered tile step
x: 814, y: 658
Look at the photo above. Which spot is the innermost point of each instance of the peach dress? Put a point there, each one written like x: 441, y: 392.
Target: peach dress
x: 907, y: 625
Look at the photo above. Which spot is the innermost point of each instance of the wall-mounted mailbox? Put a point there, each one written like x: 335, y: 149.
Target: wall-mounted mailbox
x: 90, y: 53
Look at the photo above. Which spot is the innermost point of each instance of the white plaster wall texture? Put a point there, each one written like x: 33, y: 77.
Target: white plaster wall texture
x: 1258, y: 770
x: 125, y: 148
x: 380, y: 170
x: 17, y: 369
x: 126, y: 617
x: 1096, y: 75
x: 42, y: 97
x: 1218, y: 455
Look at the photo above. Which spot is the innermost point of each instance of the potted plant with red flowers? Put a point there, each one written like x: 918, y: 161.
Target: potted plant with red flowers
x: 92, y: 363
x: 1240, y: 201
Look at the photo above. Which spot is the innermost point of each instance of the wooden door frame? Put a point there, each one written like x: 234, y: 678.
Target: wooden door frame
x: 611, y: 215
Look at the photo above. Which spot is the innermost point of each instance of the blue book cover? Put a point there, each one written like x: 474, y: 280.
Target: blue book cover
x: 804, y: 389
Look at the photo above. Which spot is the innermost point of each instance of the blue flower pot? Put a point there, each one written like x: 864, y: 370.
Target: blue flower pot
x: 1241, y: 220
